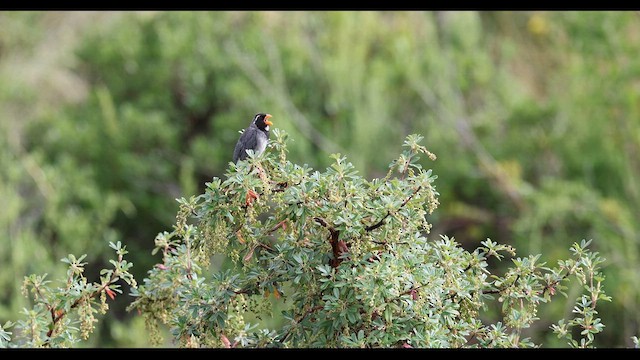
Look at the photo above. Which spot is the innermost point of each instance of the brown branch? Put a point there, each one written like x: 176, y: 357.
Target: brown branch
x: 283, y: 185
x: 497, y: 291
x: 252, y: 289
x: 39, y: 295
x: 381, y: 222
x: 547, y: 287
x: 244, y: 291
x: 323, y: 223
x: 472, y: 336
x: 281, y: 224
x: 410, y: 291
x: 556, y: 282
x: 338, y: 247
x: 266, y: 247
x: 297, y: 321
x: 406, y: 167
x: 189, y: 271
x: 57, y: 316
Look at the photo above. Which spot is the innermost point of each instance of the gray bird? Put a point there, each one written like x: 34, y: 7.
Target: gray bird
x: 255, y: 137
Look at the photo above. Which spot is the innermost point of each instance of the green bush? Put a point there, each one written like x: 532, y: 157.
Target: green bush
x: 348, y: 262
x: 57, y: 312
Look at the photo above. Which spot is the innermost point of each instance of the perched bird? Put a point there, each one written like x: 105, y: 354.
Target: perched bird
x: 255, y: 137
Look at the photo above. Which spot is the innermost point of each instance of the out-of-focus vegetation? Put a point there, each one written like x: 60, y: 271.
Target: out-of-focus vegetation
x: 106, y: 118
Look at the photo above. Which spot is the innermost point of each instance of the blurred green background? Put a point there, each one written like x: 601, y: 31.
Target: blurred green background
x: 107, y: 117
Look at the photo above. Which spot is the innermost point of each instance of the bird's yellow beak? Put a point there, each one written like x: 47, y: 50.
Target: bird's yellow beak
x: 266, y: 120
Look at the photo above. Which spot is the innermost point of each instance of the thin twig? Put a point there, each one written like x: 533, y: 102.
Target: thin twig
x: 266, y: 247
x: 55, y: 318
x: 381, y: 222
x: 306, y: 313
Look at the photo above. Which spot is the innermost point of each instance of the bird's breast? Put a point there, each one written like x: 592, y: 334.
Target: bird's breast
x: 261, y: 144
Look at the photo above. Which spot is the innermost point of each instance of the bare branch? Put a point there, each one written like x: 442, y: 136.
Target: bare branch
x: 381, y: 222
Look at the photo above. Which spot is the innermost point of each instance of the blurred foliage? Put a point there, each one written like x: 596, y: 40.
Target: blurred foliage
x: 107, y: 118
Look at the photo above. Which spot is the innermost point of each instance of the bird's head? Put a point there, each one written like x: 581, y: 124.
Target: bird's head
x: 262, y: 121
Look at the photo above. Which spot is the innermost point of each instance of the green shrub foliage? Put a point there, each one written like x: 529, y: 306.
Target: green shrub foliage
x: 59, y: 314
x: 348, y: 263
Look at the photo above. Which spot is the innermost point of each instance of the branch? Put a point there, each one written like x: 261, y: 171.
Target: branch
x: 56, y: 316
x: 189, y: 275
x: 553, y: 284
x: 266, y: 247
x: 410, y: 291
x: 297, y: 321
x: 381, y: 222
x: 338, y: 247
x: 497, y: 291
x: 322, y: 222
x: 282, y: 186
x: 281, y: 224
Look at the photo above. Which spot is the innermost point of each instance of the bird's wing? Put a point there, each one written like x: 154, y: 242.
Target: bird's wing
x: 248, y: 140
x: 236, y: 152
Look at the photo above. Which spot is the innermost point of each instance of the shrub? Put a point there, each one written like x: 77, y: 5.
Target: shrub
x: 348, y: 262
x: 53, y: 319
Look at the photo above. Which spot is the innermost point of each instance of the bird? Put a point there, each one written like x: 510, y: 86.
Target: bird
x: 254, y: 137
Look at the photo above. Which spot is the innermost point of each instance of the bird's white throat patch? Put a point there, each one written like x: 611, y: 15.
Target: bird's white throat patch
x: 266, y: 128
x: 261, y: 144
